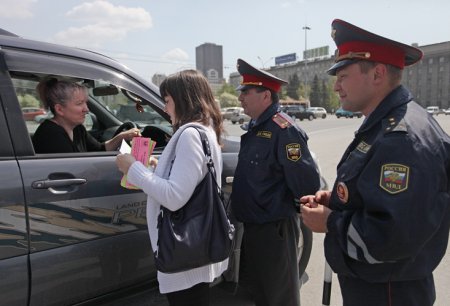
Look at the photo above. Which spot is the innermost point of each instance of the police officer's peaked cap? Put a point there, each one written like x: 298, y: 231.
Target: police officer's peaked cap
x: 252, y: 77
x: 355, y: 44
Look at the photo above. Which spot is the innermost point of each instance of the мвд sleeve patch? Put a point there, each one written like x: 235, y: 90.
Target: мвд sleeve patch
x: 293, y: 152
x: 394, y: 178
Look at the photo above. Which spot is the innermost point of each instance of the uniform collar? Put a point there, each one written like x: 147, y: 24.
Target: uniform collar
x: 394, y: 99
x: 266, y: 115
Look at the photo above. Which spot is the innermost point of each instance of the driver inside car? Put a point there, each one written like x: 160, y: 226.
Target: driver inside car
x: 65, y: 132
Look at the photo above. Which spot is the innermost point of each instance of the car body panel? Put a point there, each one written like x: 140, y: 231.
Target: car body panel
x: 319, y: 112
x: 340, y: 112
x: 434, y: 110
x: 227, y: 112
x: 298, y: 111
x: 30, y: 113
x: 239, y: 116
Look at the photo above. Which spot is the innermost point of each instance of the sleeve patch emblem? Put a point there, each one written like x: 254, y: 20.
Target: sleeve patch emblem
x: 394, y: 178
x: 293, y: 152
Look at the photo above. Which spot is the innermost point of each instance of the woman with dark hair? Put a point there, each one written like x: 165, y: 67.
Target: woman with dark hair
x: 65, y: 132
x: 189, y: 102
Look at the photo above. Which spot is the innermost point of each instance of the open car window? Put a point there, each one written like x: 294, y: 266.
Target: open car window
x: 110, y: 106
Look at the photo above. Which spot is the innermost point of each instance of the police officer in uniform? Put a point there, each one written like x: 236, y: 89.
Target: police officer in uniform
x: 387, y: 217
x: 274, y: 168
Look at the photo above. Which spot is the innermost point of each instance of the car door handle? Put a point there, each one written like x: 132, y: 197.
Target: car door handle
x: 45, y: 184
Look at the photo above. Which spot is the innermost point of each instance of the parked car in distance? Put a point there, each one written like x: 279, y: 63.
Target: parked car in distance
x: 447, y: 111
x: 347, y: 114
x: 434, y: 110
x: 319, y: 112
x: 227, y: 112
x: 298, y: 111
x: 239, y: 116
x: 29, y: 113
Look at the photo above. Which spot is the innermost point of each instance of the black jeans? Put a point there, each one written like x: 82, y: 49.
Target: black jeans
x: 194, y: 296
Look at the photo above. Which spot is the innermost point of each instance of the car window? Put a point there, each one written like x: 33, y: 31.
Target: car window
x: 109, y: 107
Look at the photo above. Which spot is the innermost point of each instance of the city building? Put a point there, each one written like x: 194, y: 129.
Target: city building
x: 209, y: 60
x: 428, y: 80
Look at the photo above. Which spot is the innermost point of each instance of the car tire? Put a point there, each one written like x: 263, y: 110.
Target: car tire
x: 324, y: 116
x: 241, y: 121
x: 234, y: 122
x: 338, y: 116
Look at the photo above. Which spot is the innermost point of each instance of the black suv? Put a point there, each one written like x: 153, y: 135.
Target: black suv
x: 298, y: 111
x: 69, y: 234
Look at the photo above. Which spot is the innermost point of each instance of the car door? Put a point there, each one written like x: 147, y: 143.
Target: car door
x: 14, y: 243
x: 87, y: 236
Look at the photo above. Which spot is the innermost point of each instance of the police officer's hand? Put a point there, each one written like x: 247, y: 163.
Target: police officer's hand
x: 315, y: 217
x: 321, y: 197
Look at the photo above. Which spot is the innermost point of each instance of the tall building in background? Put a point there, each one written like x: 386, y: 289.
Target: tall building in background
x: 209, y: 60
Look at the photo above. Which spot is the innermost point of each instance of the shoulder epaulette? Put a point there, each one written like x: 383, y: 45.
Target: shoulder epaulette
x: 281, y: 120
x: 392, y: 125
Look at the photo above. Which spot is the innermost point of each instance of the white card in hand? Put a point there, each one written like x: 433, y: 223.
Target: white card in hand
x: 124, y: 147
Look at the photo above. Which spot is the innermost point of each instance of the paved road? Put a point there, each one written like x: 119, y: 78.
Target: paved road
x: 328, y: 139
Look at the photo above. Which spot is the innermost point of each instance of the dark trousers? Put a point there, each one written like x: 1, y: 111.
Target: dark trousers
x: 194, y: 296
x: 356, y: 292
x: 270, y: 262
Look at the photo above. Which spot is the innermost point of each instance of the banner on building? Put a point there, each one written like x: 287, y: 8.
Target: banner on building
x: 316, y: 52
x: 292, y: 57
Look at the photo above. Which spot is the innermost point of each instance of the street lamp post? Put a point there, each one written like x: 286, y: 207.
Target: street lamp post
x: 263, y: 63
x: 306, y: 28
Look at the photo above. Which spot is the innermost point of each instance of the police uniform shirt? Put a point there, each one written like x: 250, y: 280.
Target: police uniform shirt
x: 390, y: 201
x: 274, y: 168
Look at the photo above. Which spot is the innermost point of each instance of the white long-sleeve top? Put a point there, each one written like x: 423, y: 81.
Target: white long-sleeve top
x: 174, y: 190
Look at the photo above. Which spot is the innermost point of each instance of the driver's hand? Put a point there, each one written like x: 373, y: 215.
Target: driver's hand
x: 130, y: 134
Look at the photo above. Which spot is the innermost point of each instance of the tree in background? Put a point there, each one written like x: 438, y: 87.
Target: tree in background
x: 333, y: 102
x: 293, y: 86
x: 28, y: 100
x: 228, y: 100
x: 303, y: 91
x: 322, y: 94
x: 227, y: 88
x: 325, y: 95
x: 315, y: 94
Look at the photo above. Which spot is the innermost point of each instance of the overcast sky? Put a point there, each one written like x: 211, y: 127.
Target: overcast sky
x: 160, y: 36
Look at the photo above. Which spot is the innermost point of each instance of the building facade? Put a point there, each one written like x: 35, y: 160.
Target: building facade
x: 209, y: 60
x: 428, y: 80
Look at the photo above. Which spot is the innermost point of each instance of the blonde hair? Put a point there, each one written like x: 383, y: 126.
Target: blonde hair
x: 52, y: 91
